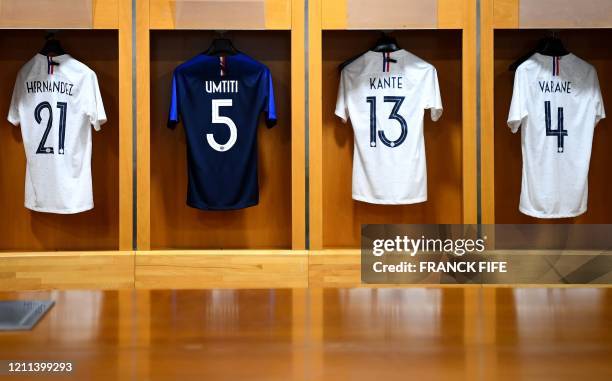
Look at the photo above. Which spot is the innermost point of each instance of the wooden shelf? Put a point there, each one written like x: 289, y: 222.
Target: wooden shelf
x: 171, y: 269
x: 67, y: 270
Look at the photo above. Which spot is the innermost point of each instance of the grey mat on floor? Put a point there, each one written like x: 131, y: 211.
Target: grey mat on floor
x: 22, y: 315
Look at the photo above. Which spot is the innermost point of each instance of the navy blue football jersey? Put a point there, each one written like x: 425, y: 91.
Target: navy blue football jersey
x: 219, y: 101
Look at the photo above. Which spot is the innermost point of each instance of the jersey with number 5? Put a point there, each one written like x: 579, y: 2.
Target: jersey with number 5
x: 556, y: 103
x: 219, y: 99
x: 385, y: 95
x: 56, y: 101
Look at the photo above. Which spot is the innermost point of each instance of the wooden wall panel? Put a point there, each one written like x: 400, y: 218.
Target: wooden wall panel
x: 161, y: 13
x: 391, y: 14
x: 342, y: 216
x: 173, y: 223
x: 451, y: 13
x: 106, y: 14
x: 565, y: 14
x: 505, y: 13
x: 46, y: 14
x: 228, y: 14
x: 448, y: 14
x: 170, y: 14
x: 595, y: 46
x: 74, y: 270
x: 232, y: 269
x: 556, y: 14
x: 279, y: 14
x: 24, y: 230
x: 333, y: 14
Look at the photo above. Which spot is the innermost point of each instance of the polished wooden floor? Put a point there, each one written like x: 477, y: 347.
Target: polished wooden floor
x: 323, y: 334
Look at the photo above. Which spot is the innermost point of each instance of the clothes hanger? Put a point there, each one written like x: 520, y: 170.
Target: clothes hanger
x: 384, y: 44
x: 52, y: 46
x: 550, y: 45
x: 221, y: 46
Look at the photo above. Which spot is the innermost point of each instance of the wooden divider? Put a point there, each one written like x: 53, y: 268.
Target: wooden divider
x: 91, y: 249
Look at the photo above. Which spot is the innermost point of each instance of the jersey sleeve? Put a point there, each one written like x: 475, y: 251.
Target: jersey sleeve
x: 95, y: 111
x: 600, y: 112
x: 518, y: 107
x: 13, y: 115
x: 341, y: 106
x: 173, y: 113
x: 433, y: 100
x: 269, y: 108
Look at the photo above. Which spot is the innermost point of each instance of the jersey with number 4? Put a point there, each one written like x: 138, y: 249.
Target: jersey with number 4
x: 56, y: 101
x: 385, y: 95
x: 557, y: 102
x: 219, y: 100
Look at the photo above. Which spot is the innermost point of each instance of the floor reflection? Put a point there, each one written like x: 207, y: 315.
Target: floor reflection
x: 556, y: 334
x: 323, y: 334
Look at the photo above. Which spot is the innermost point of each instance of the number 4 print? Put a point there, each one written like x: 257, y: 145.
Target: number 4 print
x: 397, y: 103
x: 559, y: 132
x: 63, y: 106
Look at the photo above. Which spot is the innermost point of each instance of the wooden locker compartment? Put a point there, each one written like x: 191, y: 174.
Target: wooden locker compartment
x: 343, y: 216
x: 98, y: 229
x: 509, y: 31
x: 592, y: 45
x: 175, y: 225
x: 443, y: 35
x: 261, y: 246
x: 90, y: 249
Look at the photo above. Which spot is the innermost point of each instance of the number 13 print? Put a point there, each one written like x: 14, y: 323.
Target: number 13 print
x: 397, y: 103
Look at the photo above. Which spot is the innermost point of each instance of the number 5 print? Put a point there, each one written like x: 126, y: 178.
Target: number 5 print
x: 216, y: 118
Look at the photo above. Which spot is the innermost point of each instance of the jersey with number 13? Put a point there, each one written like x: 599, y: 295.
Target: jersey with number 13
x: 56, y: 101
x: 385, y: 95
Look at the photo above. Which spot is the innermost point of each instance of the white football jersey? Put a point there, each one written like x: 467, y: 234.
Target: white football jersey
x: 386, y: 95
x: 557, y: 101
x: 56, y: 101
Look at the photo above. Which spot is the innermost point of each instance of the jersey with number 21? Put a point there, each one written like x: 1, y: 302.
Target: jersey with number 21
x: 56, y: 101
